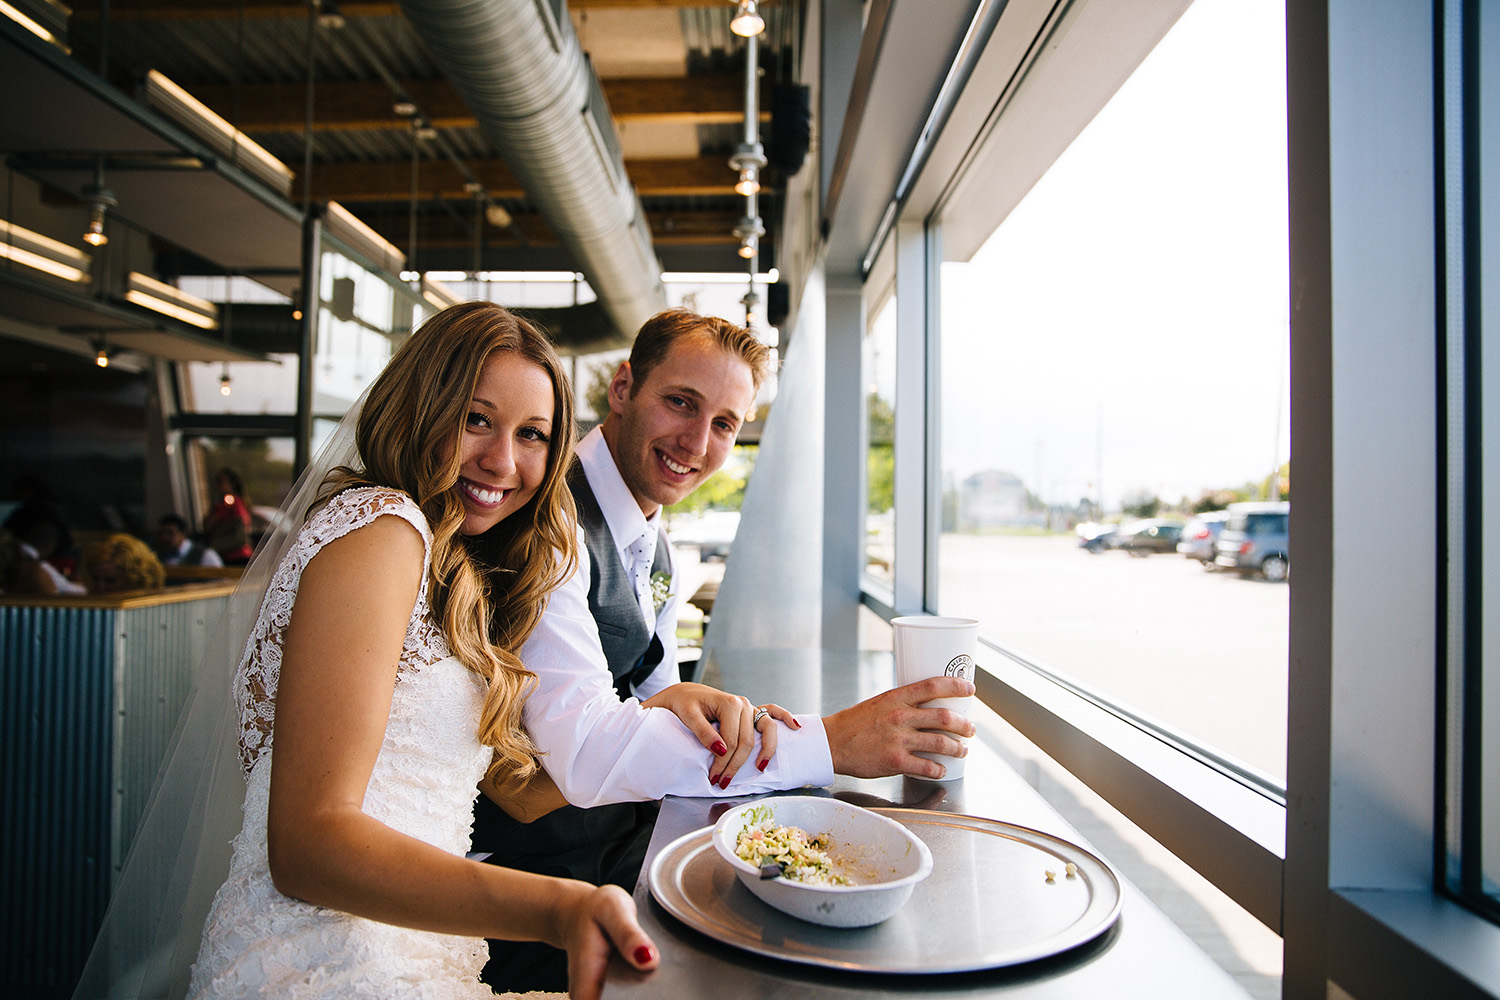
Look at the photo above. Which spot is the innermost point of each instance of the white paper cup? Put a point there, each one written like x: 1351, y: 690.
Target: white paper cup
x: 929, y: 646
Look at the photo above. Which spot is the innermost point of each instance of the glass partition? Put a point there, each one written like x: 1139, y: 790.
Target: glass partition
x: 1114, y: 379
x: 363, y: 315
x: 1471, y: 80
x: 880, y: 426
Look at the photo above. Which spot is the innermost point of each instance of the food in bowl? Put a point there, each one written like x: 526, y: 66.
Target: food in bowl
x: 801, y: 857
x: 881, y: 860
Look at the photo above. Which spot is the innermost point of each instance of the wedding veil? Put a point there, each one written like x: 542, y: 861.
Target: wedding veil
x: 149, y: 940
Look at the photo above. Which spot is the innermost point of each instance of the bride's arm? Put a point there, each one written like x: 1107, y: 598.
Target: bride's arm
x: 333, y: 701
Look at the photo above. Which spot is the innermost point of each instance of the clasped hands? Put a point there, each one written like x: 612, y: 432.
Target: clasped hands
x: 874, y: 738
x: 699, y: 707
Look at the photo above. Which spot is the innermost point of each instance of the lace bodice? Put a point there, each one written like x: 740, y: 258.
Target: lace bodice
x: 260, y: 666
x: 258, y: 942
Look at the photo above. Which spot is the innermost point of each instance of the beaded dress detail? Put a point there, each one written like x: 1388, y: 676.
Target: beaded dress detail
x: 258, y: 942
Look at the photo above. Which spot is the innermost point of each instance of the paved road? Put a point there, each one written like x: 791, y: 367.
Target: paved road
x: 1203, y: 652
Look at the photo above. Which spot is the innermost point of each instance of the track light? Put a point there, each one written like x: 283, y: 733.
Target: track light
x: 100, y: 199
x: 329, y: 16
x: 101, y: 353
x: 497, y: 216
x: 94, y: 234
x: 749, y: 159
x: 747, y: 21
x: 751, y: 229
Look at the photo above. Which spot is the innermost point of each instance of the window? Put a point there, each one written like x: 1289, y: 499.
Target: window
x: 880, y: 427
x: 362, y: 316
x: 1114, y: 358
x: 1471, y: 80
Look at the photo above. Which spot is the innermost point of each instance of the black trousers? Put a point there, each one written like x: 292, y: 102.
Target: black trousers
x: 605, y: 845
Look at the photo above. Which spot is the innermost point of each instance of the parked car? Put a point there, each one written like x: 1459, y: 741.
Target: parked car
x: 1201, y: 534
x: 1141, y: 538
x: 1094, y: 537
x: 1254, y: 540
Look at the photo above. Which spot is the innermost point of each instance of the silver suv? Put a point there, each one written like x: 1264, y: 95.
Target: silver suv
x: 1255, y: 540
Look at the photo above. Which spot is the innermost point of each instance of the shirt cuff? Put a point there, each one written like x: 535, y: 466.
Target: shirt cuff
x: 803, y: 757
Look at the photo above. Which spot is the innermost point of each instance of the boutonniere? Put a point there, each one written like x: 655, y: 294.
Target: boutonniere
x: 661, y: 589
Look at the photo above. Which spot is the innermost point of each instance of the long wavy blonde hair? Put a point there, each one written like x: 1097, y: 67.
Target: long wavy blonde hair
x: 407, y: 438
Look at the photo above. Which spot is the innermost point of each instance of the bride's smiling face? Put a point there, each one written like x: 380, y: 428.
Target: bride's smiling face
x: 505, y: 442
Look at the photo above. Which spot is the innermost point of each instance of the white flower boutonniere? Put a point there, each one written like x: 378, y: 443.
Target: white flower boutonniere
x: 661, y: 589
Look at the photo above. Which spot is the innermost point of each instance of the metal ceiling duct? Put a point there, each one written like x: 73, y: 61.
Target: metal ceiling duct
x: 518, y: 66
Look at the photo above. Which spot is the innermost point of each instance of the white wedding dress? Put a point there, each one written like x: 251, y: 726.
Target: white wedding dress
x: 258, y: 942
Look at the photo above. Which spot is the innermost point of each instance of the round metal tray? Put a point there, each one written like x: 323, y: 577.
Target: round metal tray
x: 987, y: 903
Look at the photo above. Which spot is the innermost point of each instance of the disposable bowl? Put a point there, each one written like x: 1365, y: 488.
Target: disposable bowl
x: 885, y: 858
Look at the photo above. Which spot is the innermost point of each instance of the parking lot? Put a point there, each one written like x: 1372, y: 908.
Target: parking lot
x: 1202, y: 652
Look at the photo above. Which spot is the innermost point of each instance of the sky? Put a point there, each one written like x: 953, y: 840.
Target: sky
x: 1125, y: 330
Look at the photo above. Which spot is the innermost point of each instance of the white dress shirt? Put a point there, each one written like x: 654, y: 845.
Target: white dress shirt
x: 179, y: 558
x: 59, y: 582
x: 599, y: 749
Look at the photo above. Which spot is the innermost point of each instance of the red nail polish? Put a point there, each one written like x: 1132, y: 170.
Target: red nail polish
x: 644, y: 955
x: 724, y: 782
x: 719, y: 749
x: 762, y: 764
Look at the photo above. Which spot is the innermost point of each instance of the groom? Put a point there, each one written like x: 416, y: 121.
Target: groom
x: 676, y: 407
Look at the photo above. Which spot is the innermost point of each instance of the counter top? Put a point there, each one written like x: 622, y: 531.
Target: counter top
x: 125, y: 598
x: 1143, y: 955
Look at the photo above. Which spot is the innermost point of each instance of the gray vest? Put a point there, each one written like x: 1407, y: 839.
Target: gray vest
x: 631, y: 647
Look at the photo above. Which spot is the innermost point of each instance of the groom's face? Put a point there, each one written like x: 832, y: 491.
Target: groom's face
x: 673, y: 429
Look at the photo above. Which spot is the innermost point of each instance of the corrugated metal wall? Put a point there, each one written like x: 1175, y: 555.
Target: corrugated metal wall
x: 88, y: 702
x: 157, y: 650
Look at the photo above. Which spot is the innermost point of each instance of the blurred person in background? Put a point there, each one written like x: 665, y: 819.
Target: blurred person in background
x: 227, y: 526
x: 37, y: 543
x: 120, y: 562
x: 39, y: 504
x: 175, y: 548
x: 19, y: 573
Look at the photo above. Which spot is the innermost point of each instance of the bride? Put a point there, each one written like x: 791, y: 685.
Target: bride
x: 370, y: 703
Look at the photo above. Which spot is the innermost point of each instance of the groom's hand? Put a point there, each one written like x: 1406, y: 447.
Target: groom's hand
x: 880, y: 736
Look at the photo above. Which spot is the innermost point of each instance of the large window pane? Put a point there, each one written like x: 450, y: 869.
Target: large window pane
x: 880, y: 460
x: 1471, y: 82
x: 1487, y: 742
x: 1116, y: 354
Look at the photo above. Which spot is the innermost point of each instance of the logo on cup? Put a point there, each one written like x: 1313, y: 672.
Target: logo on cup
x: 961, y: 665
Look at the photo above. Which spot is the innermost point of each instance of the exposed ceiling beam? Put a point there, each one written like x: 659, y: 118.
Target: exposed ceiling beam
x: 209, y: 10
x: 352, y: 183
x: 259, y: 109
x: 444, y: 231
x: 222, y: 10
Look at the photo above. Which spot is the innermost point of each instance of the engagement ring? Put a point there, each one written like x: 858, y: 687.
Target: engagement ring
x: 760, y: 713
